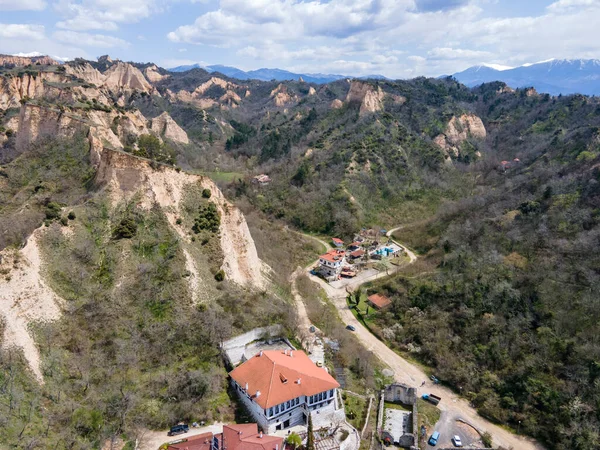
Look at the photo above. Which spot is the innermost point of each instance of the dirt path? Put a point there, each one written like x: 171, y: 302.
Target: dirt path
x: 453, y: 407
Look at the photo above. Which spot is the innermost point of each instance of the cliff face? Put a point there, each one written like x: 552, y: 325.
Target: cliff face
x: 370, y: 99
x: 458, y: 130
x: 281, y: 96
x: 164, y: 125
x: 36, y: 122
x: 198, y: 98
x: 6, y: 60
x: 124, y: 76
x: 153, y: 75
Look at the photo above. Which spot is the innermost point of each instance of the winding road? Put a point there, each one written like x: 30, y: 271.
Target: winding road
x: 452, y: 406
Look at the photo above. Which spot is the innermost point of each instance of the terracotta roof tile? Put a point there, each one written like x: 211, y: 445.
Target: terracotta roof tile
x: 380, y: 301
x: 200, y: 442
x: 264, y: 373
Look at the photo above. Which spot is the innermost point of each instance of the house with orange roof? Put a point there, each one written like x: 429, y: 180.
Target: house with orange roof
x: 379, y: 301
x: 282, y: 388
x: 331, y: 263
x: 234, y: 437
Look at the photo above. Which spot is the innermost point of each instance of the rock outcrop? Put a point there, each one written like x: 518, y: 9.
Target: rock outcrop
x: 458, y: 130
x: 153, y: 75
x: 369, y: 97
x: 281, y: 96
x: 37, y: 122
x: 197, y: 96
x: 336, y: 104
x: 164, y: 125
x: 6, y: 60
x: 122, y: 76
x: 86, y: 72
x: 312, y: 91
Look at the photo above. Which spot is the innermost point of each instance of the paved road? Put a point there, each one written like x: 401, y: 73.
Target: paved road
x: 452, y: 406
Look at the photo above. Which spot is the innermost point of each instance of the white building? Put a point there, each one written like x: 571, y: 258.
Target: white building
x: 331, y: 263
x: 281, y: 388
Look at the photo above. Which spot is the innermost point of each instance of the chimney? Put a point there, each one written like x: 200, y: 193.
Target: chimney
x: 299, y: 380
x: 260, y: 435
x: 246, y: 387
x: 260, y: 353
x: 285, y: 352
x: 291, y: 353
x: 276, y: 446
x: 257, y: 394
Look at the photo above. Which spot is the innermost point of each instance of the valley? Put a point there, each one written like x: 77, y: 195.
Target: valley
x: 123, y: 271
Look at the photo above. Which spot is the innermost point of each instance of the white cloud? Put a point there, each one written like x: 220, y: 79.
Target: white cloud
x: 21, y: 31
x: 22, y: 5
x: 89, y: 40
x: 457, y: 53
x: 81, y: 15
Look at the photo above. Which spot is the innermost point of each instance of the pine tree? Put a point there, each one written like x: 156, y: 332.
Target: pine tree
x: 310, y: 439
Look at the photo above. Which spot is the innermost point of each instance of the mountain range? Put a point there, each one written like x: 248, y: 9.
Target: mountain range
x: 270, y: 74
x: 555, y: 76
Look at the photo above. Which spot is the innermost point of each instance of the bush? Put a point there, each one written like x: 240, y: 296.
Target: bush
x: 178, y: 221
x: 208, y: 219
x: 71, y: 215
x: 52, y: 211
x: 64, y: 221
x: 126, y: 229
x: 220, y: 275
x: 206, y: 193
x: 486, y: 438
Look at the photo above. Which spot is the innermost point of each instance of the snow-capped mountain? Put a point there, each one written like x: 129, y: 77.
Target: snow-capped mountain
x: 554, y: 76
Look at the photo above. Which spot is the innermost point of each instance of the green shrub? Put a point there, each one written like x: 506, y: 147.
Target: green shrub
x: 206, y: 193
x: 486, y: 438
x: 208, y: 219
x: 71, y: 215
x: 178, y: 221
x: 64, y: 221
x: 126, y: 229
x: 220, y: 275
x: 52, y: 211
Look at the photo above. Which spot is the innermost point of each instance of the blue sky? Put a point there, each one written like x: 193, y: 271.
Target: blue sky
x: 396, y: 38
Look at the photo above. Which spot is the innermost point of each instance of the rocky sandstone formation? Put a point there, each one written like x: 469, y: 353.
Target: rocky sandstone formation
x: 153, y: 75
x: 370, y: 99
x: 337, y: 104
x: 124, y: 76
x: 86, y: 72
x: 312, y: 91
x: 281, y: 96
x: 164, y: 125
x: 458, y: 130
x: 6, y: 60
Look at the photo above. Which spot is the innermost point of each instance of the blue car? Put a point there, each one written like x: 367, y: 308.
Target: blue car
x: 433, y: 440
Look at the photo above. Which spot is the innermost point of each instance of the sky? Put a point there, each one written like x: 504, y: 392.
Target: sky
x: 395, y: 38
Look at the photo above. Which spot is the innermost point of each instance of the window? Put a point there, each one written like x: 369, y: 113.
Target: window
x: 331, y: 393
x: 287, y: 405
x: 297, y: 400
x: 277, y: 409
x: 271, y: 411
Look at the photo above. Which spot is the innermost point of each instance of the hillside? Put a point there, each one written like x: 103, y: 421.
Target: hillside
x: 110, y: 215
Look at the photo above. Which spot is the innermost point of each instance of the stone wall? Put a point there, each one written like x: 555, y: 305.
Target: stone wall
x: 233, y: 348
x: 400, y: 393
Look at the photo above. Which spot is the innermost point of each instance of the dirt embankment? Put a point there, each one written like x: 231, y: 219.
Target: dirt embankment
x: 25, y: 298
x: 125, y: 175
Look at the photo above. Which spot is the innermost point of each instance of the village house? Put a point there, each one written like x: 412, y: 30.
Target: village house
x: 379, y: 301
x: 282, y: 388
x: 261, y: 179
x: 337, y: 242
x: 234, y: 437
x: 331, y: 263
x: 354, y: 246
x: 357, y: 254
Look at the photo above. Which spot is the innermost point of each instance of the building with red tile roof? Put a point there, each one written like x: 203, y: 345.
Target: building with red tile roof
x: 337, y: 242
x: 379, y: 301
x: 331, y: 263
x: 234, y: 437
x: 281, y: 388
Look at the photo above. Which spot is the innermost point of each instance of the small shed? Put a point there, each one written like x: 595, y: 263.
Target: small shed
x: 337, y: 242
x: 379, y: 301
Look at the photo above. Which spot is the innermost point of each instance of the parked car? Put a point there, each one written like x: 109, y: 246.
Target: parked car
x: 351, y: 327
x: 431, y: 398
x: 434, y: 379
x: 314, y: 272
x: 456, y: 441
x: 433, y: 440
x: 312, y: 329
x: 178, y: 429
